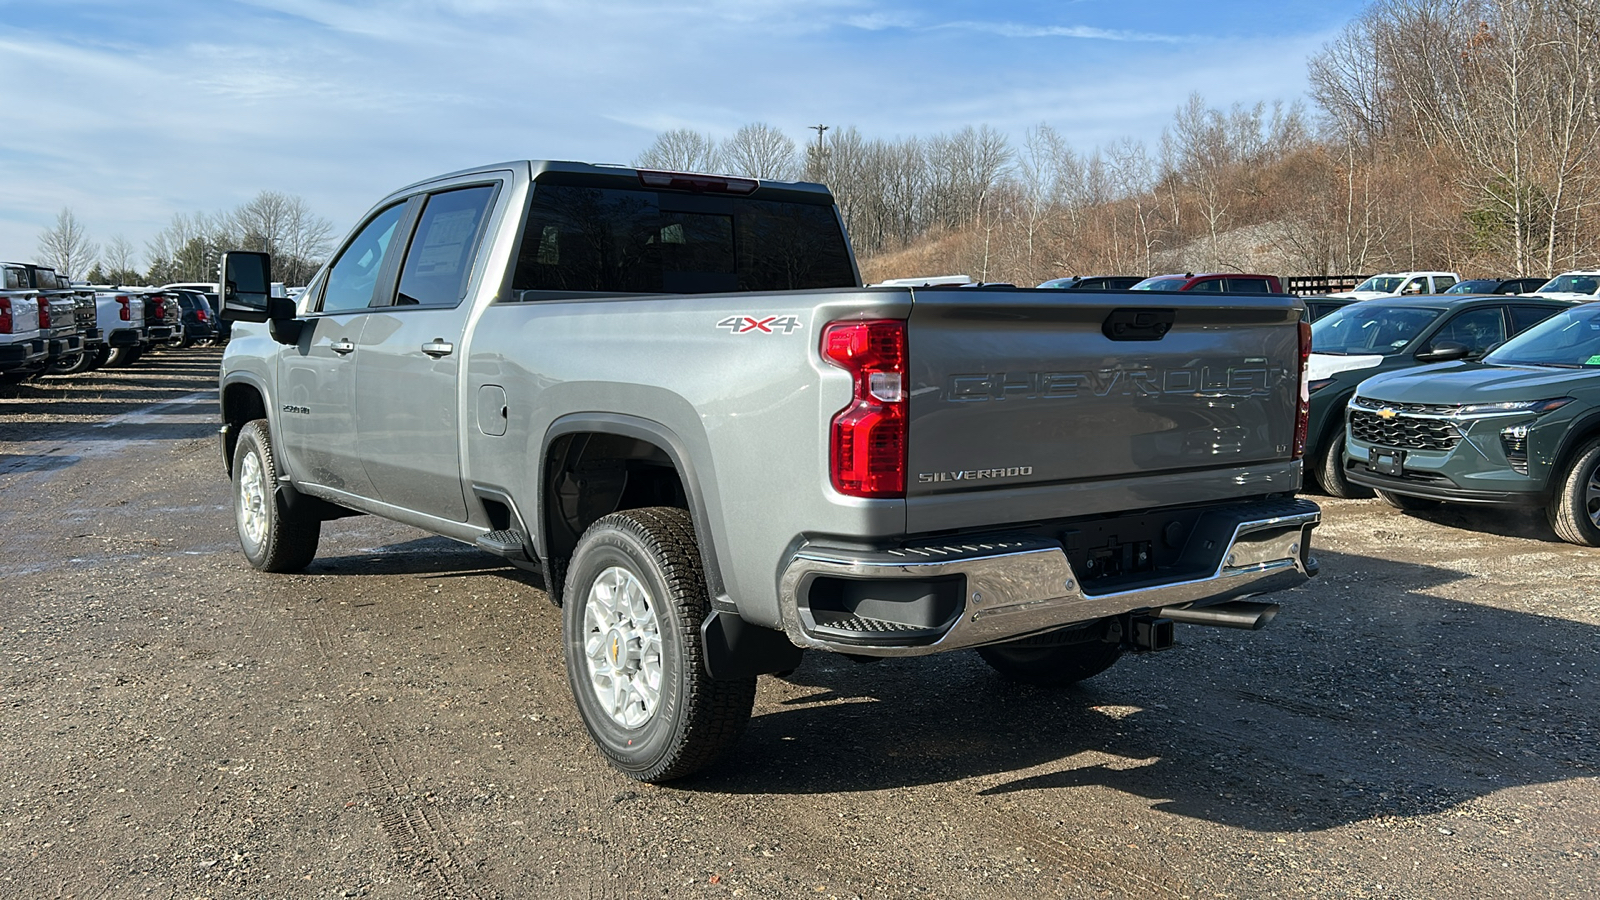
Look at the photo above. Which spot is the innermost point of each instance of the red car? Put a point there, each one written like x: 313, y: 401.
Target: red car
x: 1215, y: 282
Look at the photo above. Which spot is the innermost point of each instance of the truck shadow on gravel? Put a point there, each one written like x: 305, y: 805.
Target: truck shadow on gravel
x: 425, y: 557
x: 1368, y: 697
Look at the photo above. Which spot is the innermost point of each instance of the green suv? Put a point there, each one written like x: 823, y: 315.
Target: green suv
x: 1521, y: 427
x: 1374, y: 337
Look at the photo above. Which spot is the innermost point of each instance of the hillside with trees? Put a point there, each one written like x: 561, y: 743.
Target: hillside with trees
x: 1455, y: 134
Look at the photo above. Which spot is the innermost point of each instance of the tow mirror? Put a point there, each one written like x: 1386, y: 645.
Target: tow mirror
x: 246, y: 284
x: 247, y: 295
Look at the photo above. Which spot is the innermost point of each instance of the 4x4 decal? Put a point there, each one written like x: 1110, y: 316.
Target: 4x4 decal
x: 753, y: 325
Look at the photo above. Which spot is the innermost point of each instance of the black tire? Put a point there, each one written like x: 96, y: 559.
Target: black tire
x: 649, y: 558
x: 123, y: 356
x: 65, y: 365
x: 1051, y: 665
x: 1574, y: 510
x: 1331, y: 475
x: 1406, y: 501
x: 273, y: 539
x: 102, y: 357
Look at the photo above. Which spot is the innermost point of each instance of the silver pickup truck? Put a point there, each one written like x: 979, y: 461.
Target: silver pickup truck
x: 671, y: 395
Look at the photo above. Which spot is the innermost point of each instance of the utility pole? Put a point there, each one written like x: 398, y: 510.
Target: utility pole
x: 821, y: 150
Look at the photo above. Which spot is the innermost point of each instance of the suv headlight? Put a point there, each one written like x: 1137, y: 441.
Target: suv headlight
x: 1537, y: 407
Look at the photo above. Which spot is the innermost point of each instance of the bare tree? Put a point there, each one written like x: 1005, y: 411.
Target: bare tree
x: 759, y: 150
x: 681, y: 150
x: 66, y: 246
x: 118, y: 261
x: 283, y: 225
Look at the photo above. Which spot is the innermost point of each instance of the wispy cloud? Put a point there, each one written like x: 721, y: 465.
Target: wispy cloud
x: 1080, y: 32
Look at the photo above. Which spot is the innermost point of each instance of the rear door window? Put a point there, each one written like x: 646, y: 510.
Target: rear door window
x: 1441, y: 283
x: 1249, y: 286
x: 1525, y: 316
x: 439, y: 262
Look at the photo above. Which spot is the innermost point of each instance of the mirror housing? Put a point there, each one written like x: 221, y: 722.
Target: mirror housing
x: 1445, y: 351
x: 245, y: 283
x: 248, y: 296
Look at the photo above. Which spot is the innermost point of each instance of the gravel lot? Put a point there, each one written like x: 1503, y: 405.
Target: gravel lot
x: 1420, y: 721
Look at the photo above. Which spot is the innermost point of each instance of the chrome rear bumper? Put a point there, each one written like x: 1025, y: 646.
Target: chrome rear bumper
x: 1015, y: 587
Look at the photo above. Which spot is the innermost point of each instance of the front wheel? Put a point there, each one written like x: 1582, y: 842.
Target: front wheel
x: 273, y: 538
x: 1051, y: 665
x: 634, y: 601
x: 1330, y: 472
x: 1407, y: 502
x: 1574, y: 510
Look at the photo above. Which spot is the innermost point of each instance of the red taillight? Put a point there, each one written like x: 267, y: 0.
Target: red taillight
x: 44, y: 313
x: 1302, y: 421
x: 5, y: 315
x: 868, y: 457
x: 200, y: 316
x: 124, y: 312
x: 159, y: 303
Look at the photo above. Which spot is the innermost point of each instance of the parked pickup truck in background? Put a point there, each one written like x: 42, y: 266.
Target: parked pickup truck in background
x: 23, y: 346
x: 671, y: 394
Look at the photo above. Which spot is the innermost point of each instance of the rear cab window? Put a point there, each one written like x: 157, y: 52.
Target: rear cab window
x: 584, y: 238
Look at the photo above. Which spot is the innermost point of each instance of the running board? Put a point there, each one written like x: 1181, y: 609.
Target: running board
x: 507, y: 543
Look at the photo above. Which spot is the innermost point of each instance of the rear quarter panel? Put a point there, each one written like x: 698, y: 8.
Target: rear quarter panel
x: 751, y: 406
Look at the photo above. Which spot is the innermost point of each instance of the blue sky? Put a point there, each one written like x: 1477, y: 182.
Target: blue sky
x: 129, y: 111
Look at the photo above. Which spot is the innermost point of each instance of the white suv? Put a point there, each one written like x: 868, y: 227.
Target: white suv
x: 1401, y: 284
x: 1583, y: 287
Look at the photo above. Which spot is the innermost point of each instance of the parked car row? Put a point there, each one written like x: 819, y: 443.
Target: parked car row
x: 1459, y: 398
x: 51, y: 326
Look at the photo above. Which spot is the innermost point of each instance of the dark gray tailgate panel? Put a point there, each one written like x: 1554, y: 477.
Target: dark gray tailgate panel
x: 1021, y: 388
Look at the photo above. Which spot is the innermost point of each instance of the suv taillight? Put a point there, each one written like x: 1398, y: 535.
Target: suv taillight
x: 868, y: 437
x: 44, y: 313
x: 124, y: 313
x: 1302, y: 420
x: 5, y: 315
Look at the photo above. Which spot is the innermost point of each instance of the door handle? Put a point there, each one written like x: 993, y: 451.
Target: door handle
x: 342, y: 346
x: 438, y: 347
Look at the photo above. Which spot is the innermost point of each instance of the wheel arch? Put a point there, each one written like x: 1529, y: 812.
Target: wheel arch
x: 1582, y: 430
x: 594, y: 464
x: 242, y: 400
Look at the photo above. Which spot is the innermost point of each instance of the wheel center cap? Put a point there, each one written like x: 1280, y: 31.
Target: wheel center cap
x: 617, y: 648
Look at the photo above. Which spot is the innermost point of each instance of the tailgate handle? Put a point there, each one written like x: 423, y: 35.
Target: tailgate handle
x: 1138, y: 324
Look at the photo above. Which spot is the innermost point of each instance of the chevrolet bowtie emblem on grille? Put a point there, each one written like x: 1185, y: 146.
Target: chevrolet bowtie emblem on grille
x: 1387, y: 414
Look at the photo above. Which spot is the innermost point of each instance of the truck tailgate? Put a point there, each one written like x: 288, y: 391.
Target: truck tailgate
x: 1029, y: 388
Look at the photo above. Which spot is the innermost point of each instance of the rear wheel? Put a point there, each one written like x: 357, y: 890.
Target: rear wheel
x: 123, y: 356
x: 273, y: 538
x: 1407, y: 502
x: 634, y: 601
x: 1051, y: 665
x: 1574, y: 510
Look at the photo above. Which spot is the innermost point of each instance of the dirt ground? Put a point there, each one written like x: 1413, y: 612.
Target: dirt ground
x: 1420, y: 721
